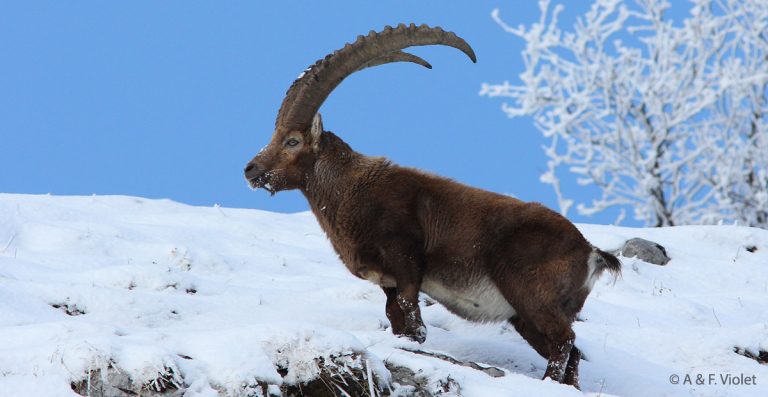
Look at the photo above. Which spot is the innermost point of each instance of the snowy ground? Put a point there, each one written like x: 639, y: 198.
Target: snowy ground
x: 224, y: 297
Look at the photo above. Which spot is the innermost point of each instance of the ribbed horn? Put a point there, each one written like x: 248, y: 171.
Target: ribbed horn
x: 309, y: 91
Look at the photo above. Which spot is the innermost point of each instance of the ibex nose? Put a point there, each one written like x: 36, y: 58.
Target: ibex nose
x: 252, y: 170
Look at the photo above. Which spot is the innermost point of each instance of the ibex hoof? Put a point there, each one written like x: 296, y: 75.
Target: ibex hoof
x: 418, y: 335
x: 415, y: 338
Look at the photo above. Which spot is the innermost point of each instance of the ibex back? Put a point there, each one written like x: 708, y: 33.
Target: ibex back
x: 484, y: 256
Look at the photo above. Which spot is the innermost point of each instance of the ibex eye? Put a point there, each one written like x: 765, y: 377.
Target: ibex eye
x: 292, y: 142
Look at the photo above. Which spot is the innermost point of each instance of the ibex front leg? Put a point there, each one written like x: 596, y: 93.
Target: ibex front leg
x: 395, y: 314
x: 408, y: 299
x: 406, y: 268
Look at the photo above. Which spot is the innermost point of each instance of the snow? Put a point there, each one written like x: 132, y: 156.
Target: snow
x: 224, y: 297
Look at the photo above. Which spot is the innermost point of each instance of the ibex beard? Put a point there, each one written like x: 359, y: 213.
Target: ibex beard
x: 484, y: 256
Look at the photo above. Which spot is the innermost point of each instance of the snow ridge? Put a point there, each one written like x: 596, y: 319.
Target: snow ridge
x: 219, y: 300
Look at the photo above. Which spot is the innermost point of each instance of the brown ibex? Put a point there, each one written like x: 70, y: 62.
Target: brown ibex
x: 484, y: 256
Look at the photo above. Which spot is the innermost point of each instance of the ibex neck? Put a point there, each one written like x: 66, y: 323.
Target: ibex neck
x: 338, y: 172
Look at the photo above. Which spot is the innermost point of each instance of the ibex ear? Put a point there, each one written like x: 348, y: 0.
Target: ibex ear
x: 317, y: 128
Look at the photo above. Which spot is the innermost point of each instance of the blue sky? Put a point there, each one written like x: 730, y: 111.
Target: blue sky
x: 170, y: 99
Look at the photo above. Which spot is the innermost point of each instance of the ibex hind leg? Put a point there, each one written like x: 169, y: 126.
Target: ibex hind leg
x: 571, y: 307
x: 546, y: 313
x: 571, y: 376
x: 531, y: 335
x: 560, y: 338
x: 556, y: 347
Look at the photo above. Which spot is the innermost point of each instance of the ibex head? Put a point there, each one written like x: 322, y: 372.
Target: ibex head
x: 296, y: 142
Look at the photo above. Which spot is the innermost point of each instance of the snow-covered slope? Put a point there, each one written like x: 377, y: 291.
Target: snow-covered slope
x: 219, y: 300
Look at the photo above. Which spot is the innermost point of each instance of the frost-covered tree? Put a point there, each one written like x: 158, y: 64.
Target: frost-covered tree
x: 666, y: 118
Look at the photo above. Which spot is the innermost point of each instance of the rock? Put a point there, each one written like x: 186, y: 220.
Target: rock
x: 489, y: 370
x: 645, y: 250
x: 338, y: 376
x: 761, y: 356
x: 116, y: 383
x: 406, y: 382
x: 344, y: 375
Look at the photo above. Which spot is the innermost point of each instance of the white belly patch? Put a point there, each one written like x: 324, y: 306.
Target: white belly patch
x: 377, y: 278
x: 480, y: 301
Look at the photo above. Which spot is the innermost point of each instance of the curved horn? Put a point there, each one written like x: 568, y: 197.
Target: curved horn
x: 311, y: 88
x: 396, y: 56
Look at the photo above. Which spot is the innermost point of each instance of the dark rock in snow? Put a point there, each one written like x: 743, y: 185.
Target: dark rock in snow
x: 70, y: 309
x: 339, y: 376
x: 489, y: 370
x: 761, y: 356
x: 116, y: 383
x: 645, y: 250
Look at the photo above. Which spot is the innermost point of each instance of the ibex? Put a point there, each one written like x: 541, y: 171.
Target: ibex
x: 485, y: 256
